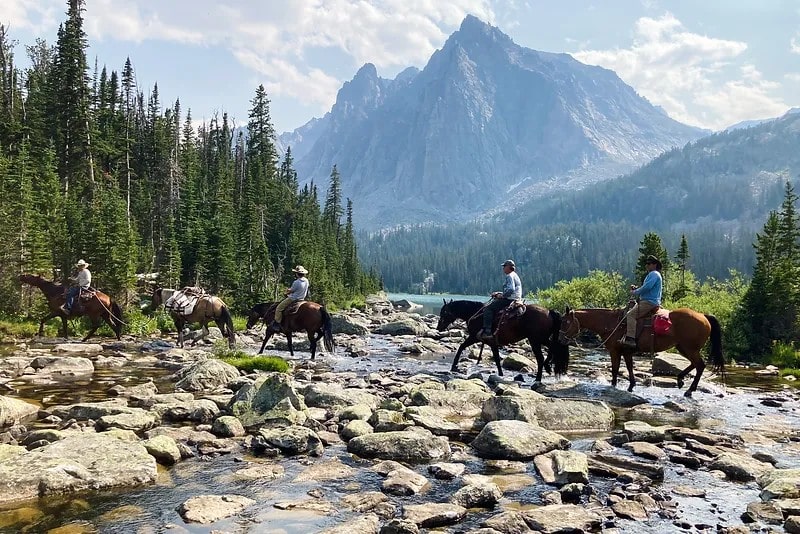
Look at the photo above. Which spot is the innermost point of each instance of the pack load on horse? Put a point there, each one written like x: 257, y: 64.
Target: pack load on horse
x: 94, y: 304
x: 299, y: 316
x: 534, y: 323
x: 194, y: 305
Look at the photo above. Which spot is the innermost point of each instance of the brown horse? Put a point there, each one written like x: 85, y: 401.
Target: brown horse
x: 207, y: 308
x: 689, y: 332
x: 98, y: 309
x: 310, y: 316
x: 538, y: 325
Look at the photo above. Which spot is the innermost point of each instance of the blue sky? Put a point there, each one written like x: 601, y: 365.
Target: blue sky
x: 708, y: 63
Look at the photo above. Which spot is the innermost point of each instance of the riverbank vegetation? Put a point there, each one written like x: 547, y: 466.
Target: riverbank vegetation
x: 94, y: 166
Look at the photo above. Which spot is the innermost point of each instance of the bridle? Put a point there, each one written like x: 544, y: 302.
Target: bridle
x: 577, y: 332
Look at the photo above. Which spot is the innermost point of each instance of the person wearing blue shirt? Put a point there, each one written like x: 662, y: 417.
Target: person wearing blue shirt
x: 649, y: 297
x: 512, y: 290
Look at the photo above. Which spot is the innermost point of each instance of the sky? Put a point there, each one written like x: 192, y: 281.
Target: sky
x: 708, y: 63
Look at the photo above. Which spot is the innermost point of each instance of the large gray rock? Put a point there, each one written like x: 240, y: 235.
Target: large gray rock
x: 457, y: 402
x: 356, y: 428
x: 403, y: 327
x: 206, y: 509
x: 198, y: 411
x: 516, y: 440
x: 367, y: 524
x: 429, y: 418
x: 66, y: 366
x: 78, y: 462
x: 505, y: 407
x: 403, y: 481
x: 642, y: 431
x: 563, y: 467
x: 780, y: 484
x: 581, y: 390
x: 477, y: 496
x: 78, y: 348
x: 272, y: 398
x: 569, y: 415
x: 668, y: 364
x: 410, y: 446
x: 431, y: 515
x: 518, y: 362
x: 227, y: 426
x: 293, y: 440
x: 558, y: 518
x: 345, y: 324
x: 740, y: 466
x: 164, y: 449
x: 91, y: 410
x: 136, y: 420
x: 333, y: 396
x: 206, y: 375
x: 12, y: 411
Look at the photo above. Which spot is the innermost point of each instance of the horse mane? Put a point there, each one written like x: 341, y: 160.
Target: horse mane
x: 45, y: 285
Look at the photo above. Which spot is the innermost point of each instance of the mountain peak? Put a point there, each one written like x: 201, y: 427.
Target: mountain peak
x: 367, y: 70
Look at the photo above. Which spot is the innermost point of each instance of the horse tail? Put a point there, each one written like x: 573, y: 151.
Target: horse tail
x: 716, y: 345
x: 327, y: 330
x: 558, y: 351
x: 225, y: 316
x: 116, y: 318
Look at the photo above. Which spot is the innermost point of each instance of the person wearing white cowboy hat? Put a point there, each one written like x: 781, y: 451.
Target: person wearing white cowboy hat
x: 83, y: 280
x: 512, y: 290
x: 298, y: 291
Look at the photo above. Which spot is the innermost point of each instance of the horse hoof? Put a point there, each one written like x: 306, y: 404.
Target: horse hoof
x: 680, y: 384
x: 536, y: 385
x: 688, y: 394
x: 630, y: 389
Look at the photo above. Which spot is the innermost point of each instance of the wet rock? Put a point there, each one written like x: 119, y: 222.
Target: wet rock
x: 205, y: 375
x: 158, y: 345
x: 12, y: 411
x: 293, y: 440
x: 563, y: 467
x: 689, y: 491
x: 762, y: 511
x: 136, y: 420
x: 198, y: 411
x: 668, y: 364
x: 399, y: 526
x: 446, y: 471
x: 389, y: 421
x: 65, y: 366
x: 516, y: 440
x: 627, y: 509
x: 342, y: 323
x: 706, y: 438
x: 740, y: 467
x: 334, y: 396
x: 414, y: 446
x: 357, y: 411
x: 163, y: 449
x: 364, y: 502
x: 788, y: 506
x: 651, y: 470
x: 206, y: 509
x: 432, y: 515
x: 477, y: 496
x: 571, y: 493
x: 641, y: 431
x: 464, y: 403
x: 558, y: 518
x: 568, y: 415
x: 325, y: 470
x: 517, y: 362
x: 91, y: 410
x: 78, y: 462
x: 367, y: 524
x: 46, y: 434
x: 254, y: 403
x: 503, y: 408
x: 645, y: 450
x: 356, y: 428
x: 404, y: 327
x: 185, y: 434
x: 260, y: 471
x: 508, y: 523
x: 227, y: 426
x: 792, y: 525
x: 610, y: 395
x: 780, y: 484
x: 77, y: 348
x: 403, y: 481
x: 430, y: 419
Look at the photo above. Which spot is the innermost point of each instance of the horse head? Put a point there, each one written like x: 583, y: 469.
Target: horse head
x: 257, y: 313
x: 446, y: 316
x: 157, y: 298
x: 570, y: 327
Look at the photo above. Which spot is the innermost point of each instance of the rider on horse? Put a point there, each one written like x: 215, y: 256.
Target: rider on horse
x: 512, y: 290
x: 298, y: 291
x: 83, y: 280
x: 649, y: 298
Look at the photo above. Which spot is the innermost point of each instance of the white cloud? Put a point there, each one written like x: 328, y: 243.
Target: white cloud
x: 792, y: 76
x: 794, y: 44
x: 691, y: 76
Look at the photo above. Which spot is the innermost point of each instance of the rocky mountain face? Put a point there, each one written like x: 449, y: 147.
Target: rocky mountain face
x: 486, y: 124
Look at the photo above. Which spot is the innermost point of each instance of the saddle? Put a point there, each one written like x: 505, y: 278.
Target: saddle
x: 515, y: 309
x: 293, y: 308
x: 654, y: 322
x: 87, y: 294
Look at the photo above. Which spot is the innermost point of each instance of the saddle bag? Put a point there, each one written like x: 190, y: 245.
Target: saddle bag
x: 661, y: 325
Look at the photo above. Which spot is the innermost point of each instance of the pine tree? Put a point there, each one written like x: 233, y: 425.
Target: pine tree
x: 651, y: 245
x: 682, y: 261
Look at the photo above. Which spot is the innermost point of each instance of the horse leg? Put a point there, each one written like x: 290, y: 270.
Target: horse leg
x: 629, y: 365
x: 480, y: 354
x: 267, y: 335
x: 312, y: 341
x: 537, y: 351
x: 44, y: 320
x: 615, y: 360
x: 95, y: 326
x: 466, y: 343
x: 699, y: 365
x: 203, y: 333
x: 496, y: 354
x: 179, y: 326
x: 289, y: 342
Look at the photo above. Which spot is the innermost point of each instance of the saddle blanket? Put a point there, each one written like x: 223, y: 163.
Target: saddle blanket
x: 181, y: 303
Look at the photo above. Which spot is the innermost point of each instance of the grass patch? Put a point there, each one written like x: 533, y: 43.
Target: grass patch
x: 790, y: 372
x: 247, y: 362
x: 239, y: 323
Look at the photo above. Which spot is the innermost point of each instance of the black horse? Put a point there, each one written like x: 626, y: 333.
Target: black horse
x: 538, y: 325
x: 310, y: 317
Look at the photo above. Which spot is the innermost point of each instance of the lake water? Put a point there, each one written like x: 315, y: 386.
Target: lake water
x: 433, y: 303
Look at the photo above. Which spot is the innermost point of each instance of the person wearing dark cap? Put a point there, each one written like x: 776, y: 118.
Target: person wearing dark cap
x: 649, y: 297
x: 512, y: 290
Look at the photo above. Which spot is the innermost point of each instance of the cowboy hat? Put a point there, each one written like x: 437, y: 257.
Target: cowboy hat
x: 81, y: 263
x: 509, y: 263
x: 300, y: 270
x: 653, y: 259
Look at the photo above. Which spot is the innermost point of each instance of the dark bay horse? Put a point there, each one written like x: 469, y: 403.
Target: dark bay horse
x: 538, y: 325
x: 689, y: 332
x: 207, y: 308
x: 310, y: 316
x: 98, y: 309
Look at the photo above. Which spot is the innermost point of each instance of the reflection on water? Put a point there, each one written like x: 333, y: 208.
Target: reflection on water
x: 433, y: 303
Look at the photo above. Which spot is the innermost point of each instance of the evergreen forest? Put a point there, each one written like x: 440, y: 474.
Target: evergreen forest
x: 93, y: 166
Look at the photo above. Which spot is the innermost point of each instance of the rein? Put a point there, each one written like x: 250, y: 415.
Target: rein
x: 602, y: 343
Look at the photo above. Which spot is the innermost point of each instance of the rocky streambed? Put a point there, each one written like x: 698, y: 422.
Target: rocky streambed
x: 140, y: 436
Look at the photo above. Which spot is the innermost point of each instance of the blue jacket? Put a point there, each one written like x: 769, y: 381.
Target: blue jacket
x: 651, y: 288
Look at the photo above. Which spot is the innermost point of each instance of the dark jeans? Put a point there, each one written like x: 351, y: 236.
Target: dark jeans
x: 72, y: 294
x: 495, y: 306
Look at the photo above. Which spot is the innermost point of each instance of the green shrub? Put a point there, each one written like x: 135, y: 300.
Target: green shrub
x: 783, y: 355
x: 599, y: 289
x: 790, y: 372
x: 239, y: 323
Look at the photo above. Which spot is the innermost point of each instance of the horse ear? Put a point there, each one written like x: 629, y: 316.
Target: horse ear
x: 444, y: 302
x: 451, y: 301
x: 567, y: 310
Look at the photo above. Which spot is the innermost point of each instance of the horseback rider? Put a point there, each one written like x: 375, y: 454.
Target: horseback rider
x: 83, y: 280
x: 512, y: 290
x: 649, y: 298
x: 298, y: 291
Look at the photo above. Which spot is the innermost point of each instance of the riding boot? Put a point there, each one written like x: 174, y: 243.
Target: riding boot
x: 64, y: 309
x: 275, y: 326
x: 629, y: 342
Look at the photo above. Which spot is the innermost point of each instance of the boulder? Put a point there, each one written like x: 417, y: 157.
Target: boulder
x: 403, y: 481
x: 12, y: 411
x: 254, y: 403
x: 227, y: 426
x: 432, y: 515
x: 356, y: 428
x: 569, y: 415
x: 472, y: 384
x: 508, y: 523
x: 403, y: 327
x: 77, y: 348
x: 446, y: 471
x: 411, y: 446
x: 780, y: 484
x: 429, y: 418
x: 163, y: 449
x: 516, y: 440
x: 66, y: 366
x: 79, y: 462
x: 563, y: 467
x: 641, y: 431
x: 293, y: 440
x: 399, y: 526
x: 357, y: 411
x: 627, y: 509
x: 345, y: 324
x: 582, y: 390
x: 334, y: 396
x: 405, y: 305
x: 136, y: 420
x: 477, y: 496
x: 792, y: 524
x: 518, y: 362
x: 206, y: 509
x: 740, y: 466
x: 506, y: 407
x: 389, y: 421
x: 91, y: 410
x: 668, y: 364
x: 367, y: 524
x: 325, y: 470
x: 457, y: 402
x: 645, y: 450
x: 198, y: 411
x: 205, y: 375
x: 557, y: 518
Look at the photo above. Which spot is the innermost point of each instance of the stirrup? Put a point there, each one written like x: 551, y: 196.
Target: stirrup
x: 628, y: 342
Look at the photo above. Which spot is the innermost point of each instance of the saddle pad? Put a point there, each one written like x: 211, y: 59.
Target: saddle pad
x: 181, y: 303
